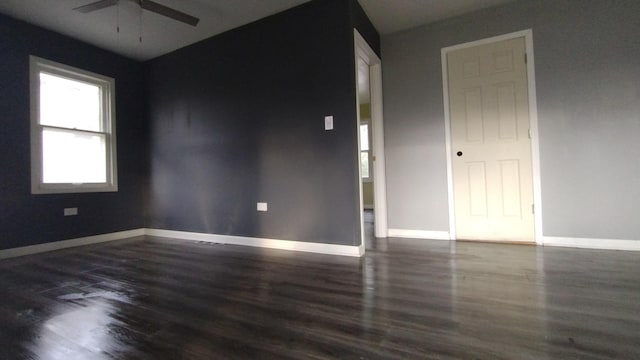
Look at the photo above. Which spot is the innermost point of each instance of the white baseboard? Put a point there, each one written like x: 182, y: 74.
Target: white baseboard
x: 592, y: 243
x: 330, y: 249
x: 58, y: 245
x: 419, y: 234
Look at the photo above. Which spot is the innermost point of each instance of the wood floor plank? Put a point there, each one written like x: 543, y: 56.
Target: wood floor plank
x: 155, y: 298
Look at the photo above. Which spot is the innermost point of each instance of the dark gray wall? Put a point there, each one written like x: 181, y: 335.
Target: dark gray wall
x: 27, y: 219
x: 361, y: 21
x: 587, y: 57
x: 234, y: 120
x: 239, y: 119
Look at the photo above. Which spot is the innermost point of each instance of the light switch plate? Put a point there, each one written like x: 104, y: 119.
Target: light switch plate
x: 328, y: 122
x: 262, y: 206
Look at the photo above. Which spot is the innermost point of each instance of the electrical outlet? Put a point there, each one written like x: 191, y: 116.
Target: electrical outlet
x: 328, y: 122
x: 262, y: 206
x: 70, y: 211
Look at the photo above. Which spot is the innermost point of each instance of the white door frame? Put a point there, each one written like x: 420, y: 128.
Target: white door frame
x: 533, y: 124
x: 364, y: 51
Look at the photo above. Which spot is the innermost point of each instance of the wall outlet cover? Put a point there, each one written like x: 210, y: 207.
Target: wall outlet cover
x: 328, y: 122
x: 262, y: 206
x: 70, y: 211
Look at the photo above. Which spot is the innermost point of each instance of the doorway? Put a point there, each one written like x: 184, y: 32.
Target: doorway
x: 366, y: 150
x: 491, y: 150
x: 372, y: 200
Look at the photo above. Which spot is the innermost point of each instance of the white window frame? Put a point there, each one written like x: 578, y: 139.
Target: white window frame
x: 369, y: 178
x: 108, y: 119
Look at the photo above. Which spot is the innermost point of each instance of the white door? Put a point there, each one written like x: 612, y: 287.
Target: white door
x: 491, y: 160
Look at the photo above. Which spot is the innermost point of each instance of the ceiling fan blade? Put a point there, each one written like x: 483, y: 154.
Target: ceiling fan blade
x: 101, y: 4
x: 168, y: 12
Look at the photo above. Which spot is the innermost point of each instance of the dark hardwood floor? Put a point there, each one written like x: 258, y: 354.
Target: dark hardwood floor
x: 153, y: 298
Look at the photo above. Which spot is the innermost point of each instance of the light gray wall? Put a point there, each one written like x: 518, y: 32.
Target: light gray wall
x: 587, y: 57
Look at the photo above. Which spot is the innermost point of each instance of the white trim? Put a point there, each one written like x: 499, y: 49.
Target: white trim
x: 447, y: 137
x: 361, y: 250
x: 321, y: 248
x: 535, y: 139
x: 363, y: 50
x: 419, y: 234
x: 379, y: 165
x: 533, y: 123
x: 593, y: 243
x: 360, y: 199
x: 58, y: 245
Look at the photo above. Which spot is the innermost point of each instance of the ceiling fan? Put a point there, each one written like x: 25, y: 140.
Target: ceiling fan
x: 146, y: 5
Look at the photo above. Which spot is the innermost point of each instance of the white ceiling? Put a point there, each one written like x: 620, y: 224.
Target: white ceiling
x: 161, y: 35
x: 390, y: 16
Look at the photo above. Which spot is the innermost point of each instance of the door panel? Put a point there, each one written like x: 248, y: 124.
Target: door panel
x: 510, y: 186
x: 473, y: 115
x: 507, y: 124
x: 477, y: 189
x: 492, y: 178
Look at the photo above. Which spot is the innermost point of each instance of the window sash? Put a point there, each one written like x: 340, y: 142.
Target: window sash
x: 84, y: 155
x: 366, y: 171
x: 74, y: 112
x: 364, y: 136
x: 365, y: 151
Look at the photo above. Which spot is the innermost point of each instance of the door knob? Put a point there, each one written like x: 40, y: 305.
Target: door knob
x: 459, y: 153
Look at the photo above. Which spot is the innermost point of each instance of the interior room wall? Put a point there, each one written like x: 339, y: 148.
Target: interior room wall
x: 239, y: 119
x: 588, y: 92
x: 360, y: 21
x: 27, y: 219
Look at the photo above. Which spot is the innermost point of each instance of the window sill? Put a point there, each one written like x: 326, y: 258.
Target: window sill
x: 69, y: 189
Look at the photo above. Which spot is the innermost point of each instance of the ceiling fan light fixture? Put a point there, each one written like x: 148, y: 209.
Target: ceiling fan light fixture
x: 95, y: 6
x: 146, y: 5
x: 168, y: 12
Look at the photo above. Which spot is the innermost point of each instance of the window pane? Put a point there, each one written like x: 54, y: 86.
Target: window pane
x: 364, y: 163
x: 73, y: 157
x: 364, y: 137
x: 69, y: 103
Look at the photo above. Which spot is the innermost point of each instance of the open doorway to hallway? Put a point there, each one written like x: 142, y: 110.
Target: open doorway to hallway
x: 371, y: 159
x: 366, y: 149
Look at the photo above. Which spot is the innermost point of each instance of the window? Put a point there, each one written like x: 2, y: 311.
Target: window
x: 73, y: 146
x: 365, y: 153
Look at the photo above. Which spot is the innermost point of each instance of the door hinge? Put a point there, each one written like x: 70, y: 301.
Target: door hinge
x: 533, y: 208
x: 529, y: 133
x: 525, y: 58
